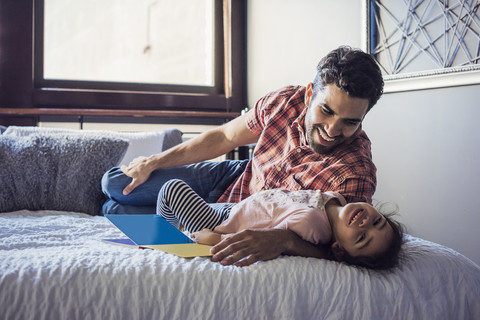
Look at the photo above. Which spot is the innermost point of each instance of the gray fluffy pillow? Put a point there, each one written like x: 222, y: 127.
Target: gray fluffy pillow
x: 140, y: 143
x: 56, y: 172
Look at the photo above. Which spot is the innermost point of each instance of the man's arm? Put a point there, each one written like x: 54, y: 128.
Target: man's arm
x: 210, y: 144
x: 249, y: 246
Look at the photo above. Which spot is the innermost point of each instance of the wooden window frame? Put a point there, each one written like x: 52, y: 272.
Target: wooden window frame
x: 22, y: 90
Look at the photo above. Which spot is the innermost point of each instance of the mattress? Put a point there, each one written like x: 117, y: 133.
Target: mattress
x: 54, y: 265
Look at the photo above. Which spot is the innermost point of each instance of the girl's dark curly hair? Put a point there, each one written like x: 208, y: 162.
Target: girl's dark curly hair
x: 353, y: 71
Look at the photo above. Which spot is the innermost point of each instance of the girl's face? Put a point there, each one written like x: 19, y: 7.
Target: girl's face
x: 361, y: 230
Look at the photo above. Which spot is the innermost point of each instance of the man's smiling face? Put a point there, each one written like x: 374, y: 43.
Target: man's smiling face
x: 332, y: 117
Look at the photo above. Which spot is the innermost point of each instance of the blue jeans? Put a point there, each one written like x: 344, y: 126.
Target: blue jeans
x: 208, y: 179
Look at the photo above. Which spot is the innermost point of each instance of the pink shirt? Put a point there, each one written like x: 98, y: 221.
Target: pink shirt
x: 301, y: 211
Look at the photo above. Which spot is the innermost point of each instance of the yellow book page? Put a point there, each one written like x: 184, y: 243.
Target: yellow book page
x: 184, y: 250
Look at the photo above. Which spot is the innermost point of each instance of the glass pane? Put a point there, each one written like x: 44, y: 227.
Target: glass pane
x: 144, y: 41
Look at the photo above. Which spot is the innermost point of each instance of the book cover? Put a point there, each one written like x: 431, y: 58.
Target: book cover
x: 154, y: 232
x: 122, y: 242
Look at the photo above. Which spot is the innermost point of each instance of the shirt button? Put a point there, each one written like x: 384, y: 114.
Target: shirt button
x: 265, y: 188
x: 299, y: 150
x: 279, y: 168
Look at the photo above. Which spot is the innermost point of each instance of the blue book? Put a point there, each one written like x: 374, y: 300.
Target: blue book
x: 154, y: 232
x: 122, y: 242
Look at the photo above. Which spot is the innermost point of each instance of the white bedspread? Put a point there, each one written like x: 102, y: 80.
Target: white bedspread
x: 53, y: 265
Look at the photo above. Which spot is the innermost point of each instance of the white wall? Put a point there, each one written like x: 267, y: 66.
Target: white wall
x: 286, y: 39
x: 427, y: 151
x: 425, y: 143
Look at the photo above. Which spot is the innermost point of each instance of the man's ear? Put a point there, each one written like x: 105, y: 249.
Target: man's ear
x: 338, y: 251
x: 308, y: 94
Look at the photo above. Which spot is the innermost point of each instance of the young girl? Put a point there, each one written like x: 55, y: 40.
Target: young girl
x: 355, y: 233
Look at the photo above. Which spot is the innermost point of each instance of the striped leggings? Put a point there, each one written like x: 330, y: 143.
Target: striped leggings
x: 179, y: 204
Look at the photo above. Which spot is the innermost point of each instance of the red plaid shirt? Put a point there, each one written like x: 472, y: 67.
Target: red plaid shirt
x: 283, y: 159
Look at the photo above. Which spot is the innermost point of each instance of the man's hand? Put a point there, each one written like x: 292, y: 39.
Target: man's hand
x: 249, y: 246
x: 139, y: 171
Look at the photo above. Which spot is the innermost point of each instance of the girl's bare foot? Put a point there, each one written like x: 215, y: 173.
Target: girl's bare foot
x: 206, y: 236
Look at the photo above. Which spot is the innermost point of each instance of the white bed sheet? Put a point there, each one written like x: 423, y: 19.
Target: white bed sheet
x: 53, y: 265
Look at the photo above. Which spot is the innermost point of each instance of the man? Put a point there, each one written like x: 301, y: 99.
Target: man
x: 306, y: 138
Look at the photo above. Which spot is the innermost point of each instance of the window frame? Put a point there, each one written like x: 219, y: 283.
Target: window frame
x: 22, y: 48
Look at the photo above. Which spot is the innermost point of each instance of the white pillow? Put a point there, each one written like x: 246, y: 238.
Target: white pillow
x: 140, y: 143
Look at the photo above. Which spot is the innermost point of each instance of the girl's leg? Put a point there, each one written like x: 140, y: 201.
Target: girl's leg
x: 179, y: 204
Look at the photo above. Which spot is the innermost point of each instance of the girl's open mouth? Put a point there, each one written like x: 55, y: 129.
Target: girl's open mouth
x: 357, y: 214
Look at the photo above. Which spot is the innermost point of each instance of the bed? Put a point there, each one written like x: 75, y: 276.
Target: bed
x: 54, y: 265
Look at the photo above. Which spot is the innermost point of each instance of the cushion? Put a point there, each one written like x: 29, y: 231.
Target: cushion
x: 56, y: 171
x: 141, y: 143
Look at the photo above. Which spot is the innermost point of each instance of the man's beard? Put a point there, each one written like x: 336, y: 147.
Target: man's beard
x: 312, y: 135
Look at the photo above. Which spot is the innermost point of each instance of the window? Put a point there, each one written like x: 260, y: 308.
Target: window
x: 149, y: 41
x: 124, y: 55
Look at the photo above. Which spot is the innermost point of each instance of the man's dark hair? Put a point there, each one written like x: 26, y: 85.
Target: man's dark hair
x: 353, y: 71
